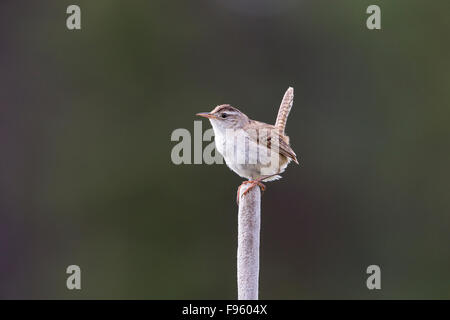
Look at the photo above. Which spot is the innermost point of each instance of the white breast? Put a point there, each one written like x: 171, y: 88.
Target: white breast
x: 245, y: 157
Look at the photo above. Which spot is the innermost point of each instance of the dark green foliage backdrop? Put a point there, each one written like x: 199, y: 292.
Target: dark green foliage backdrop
x: 87, y: 179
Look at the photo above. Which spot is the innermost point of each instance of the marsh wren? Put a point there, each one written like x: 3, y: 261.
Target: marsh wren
x: 254, y: 150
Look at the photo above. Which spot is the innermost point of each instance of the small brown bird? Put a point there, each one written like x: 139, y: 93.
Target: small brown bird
x: 254, y: 150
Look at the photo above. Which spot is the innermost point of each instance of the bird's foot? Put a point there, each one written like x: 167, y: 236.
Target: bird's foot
x: 253, y: 183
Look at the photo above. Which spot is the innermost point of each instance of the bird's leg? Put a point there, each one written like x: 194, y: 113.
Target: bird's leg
x: 254, y: 183
x: 238, y: 193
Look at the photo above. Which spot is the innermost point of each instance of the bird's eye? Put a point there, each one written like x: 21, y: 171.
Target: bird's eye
x: 224, y: 115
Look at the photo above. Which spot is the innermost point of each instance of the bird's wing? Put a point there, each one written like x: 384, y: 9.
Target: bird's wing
x: 267, y: 134
x: 286, y: 150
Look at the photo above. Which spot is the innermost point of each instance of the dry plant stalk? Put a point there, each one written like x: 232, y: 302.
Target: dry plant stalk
x: 249, y: 225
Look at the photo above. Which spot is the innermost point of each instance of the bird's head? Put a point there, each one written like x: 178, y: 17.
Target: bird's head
x: 225, y: 117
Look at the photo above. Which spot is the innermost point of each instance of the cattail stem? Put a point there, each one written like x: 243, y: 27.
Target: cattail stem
x: 249, y: 223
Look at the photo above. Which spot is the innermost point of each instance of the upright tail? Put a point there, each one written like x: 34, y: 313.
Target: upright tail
x: 285, y: 108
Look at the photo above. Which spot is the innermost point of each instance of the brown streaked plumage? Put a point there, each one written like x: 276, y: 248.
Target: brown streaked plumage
x: 285, y: 108
x: 254, y: 150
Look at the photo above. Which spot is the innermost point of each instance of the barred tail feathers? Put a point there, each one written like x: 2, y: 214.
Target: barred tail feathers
x: 285, y: 108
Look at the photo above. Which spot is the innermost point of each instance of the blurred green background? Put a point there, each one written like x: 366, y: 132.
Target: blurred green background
x: 87, y: 179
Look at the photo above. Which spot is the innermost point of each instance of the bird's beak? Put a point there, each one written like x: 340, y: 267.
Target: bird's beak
x: 206, y: 115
